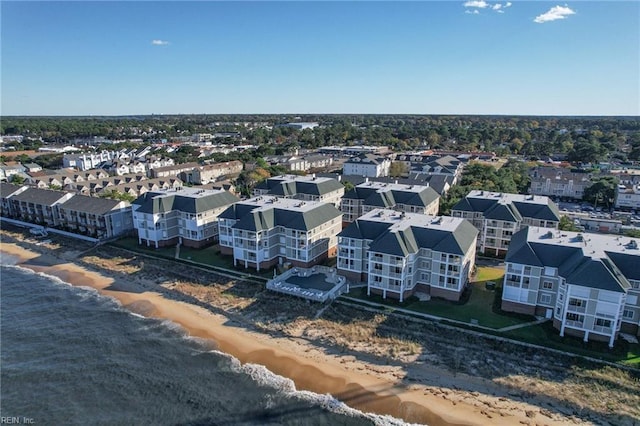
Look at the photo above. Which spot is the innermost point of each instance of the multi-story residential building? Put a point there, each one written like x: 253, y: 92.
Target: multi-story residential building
x: 499, y: 215
x: 628, y: 197
x: 367, y: 165
x: 172, y: 171
x: 588, y: 283
x: 399, y: 253
x: 7, y: 190
x: 559, y: 182
x: 433, y: 165
x: 186, y: 216
x: 204, y: 174
x: 88, y: 161
x: 306, y: 188
x: 36, y: 205
x: 369, y: 195
x: 96, y: 217
x: 264, y: 231
x: 301, y: 163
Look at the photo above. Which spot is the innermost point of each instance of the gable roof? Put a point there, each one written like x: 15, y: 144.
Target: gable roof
x: 92, y: 205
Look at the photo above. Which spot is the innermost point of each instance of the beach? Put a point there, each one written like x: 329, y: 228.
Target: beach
x: 407, y: 383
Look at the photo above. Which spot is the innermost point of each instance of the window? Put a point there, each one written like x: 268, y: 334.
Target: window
x: 632, y: 300
x: 575, y: 317
x: 545, y: 299
x: 547, y: 285
x: 601, y: 322
x: 627, y: 314
x: 579, y: 303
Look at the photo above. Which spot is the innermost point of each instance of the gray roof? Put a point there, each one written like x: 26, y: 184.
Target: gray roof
x: 290, y: 185
x: 604, y: 262
x: 384, y: 195
x: 403, y: 233
x: 185, y: 200
x: 519, y: 206
x: 92, y: 205
x: 262, y: 213
x: 39, y: 196
x: 7, y: 189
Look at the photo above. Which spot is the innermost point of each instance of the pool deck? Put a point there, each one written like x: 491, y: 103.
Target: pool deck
x: 319, y: 283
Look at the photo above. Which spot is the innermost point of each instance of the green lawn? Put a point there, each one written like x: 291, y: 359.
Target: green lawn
x: 209, y: 256
x: 546, y: 335
x: 478, y: 307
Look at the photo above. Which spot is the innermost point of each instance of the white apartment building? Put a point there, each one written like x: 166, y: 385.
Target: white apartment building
x: 88, y: 161
x: 628, y: 197
x: 368, y: 196
x: 264, y: 231
x: 185, y: 216
x: 306, y: 188
x: 500, y: 215
x: 368, y: 165
x: 398, y: 254
x: 588, y: 283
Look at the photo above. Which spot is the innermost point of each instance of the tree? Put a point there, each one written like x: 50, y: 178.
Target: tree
x: 566, y: 224
x: 17, y: 179
x: 586, y: 151
x: 601, y: 191
x: 398, y: 169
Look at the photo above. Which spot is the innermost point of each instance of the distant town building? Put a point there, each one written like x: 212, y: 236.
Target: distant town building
x: 499, y: 215
x: 433, y: 165
x: 588, y: 283
x: 628, y: 196
x: 187, y: 216
x: 306, y: 188
x: 370, y: 195
x: 202, y: 175
x: 398, y: 254
x: 559, y: 182
x: 367, y: 165
x: 299, y: 126
x: 265, y: 231
x: 172, y: 171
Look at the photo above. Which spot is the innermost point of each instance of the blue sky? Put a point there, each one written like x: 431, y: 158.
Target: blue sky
x: 429, y: 57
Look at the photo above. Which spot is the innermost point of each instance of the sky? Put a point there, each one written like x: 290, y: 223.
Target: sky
x: 416, y: 57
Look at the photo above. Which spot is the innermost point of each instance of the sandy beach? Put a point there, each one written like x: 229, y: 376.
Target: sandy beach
x: 406, y: 386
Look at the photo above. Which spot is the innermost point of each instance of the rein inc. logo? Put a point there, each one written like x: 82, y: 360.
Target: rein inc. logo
x: 19, y: 420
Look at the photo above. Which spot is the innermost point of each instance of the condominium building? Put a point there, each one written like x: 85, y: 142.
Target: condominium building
x: 588, y: 283
x: 185, y: 216
x: 559, y: 182
x: 367, y: 165
x: 375, y: 195
x: 34, y: 205
x: 264, y: 231
x: 499, y: 215
x: 210, y: 173
x: 96, y: 217
x: 306, y: 188
x: 398, y: 254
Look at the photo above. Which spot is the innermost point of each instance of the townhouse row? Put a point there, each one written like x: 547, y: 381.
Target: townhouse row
x: 95, y: 217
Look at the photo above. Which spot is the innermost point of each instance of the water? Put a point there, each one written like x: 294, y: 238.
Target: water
x: 71, y: 356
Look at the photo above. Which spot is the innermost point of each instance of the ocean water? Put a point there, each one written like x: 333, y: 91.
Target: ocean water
x: 71, y: 356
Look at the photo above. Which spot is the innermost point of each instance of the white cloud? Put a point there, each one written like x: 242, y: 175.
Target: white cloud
x: 508, y: 4
x: 496, y: 6
x: 500, y: 11
x: 553, y: 14
x: 472, y: 12
x: 159, y: 42
x: 476, y: 3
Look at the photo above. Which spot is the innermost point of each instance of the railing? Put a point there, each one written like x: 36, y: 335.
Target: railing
x: 571, y: 323
x: 574, y: 308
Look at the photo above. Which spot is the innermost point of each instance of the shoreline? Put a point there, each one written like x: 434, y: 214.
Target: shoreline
x: 366, y: 393
x: 420, y: 392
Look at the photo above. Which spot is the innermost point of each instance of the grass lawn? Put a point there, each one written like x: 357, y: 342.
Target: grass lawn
x: 478, y: 307
x: 546, y: 335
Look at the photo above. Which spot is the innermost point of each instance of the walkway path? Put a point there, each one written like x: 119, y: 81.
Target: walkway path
x: 526, y: 324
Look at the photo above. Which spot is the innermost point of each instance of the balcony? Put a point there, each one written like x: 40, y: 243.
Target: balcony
x: 574, y: 324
